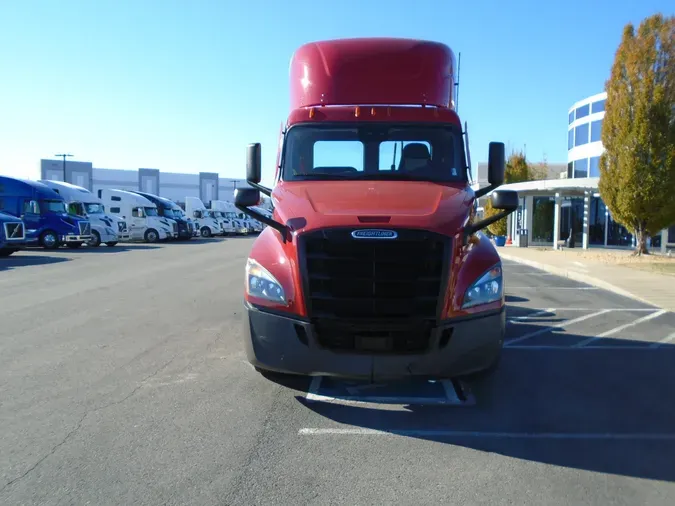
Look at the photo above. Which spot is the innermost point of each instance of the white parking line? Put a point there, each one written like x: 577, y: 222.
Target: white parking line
x: 663, y: 341
x: 555, y: 327
x: 450, y: 397
x: 646, y: 436
x: 532, y: 315
x: 655, y: 314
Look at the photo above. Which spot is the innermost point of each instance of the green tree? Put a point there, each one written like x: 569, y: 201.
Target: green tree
x: 637, y: 169
x: 517, y: 170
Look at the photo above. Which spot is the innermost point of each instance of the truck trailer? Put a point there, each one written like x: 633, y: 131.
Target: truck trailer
x: 373, y: 265
x: 44, y: 214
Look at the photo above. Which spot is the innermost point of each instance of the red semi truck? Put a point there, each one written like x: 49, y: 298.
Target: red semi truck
x: 373, y: 265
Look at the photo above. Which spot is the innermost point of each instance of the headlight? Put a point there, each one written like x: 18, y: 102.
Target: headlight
x: 260, y: 283
x: 488, y: 288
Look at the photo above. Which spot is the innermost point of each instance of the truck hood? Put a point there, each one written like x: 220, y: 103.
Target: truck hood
x: 417, y: 204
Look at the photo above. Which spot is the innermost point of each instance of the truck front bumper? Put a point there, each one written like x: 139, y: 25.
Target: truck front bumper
x: 284, y: 344
x: 74, y: 238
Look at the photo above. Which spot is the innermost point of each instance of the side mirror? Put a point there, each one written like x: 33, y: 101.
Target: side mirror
x: 253, y: 163
x: 496, y: 163
x: 506, y: 200
x: 247, y: 197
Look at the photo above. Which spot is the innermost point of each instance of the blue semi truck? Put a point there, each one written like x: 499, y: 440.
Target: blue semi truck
x: 12, y: 234
x: 43, y: 211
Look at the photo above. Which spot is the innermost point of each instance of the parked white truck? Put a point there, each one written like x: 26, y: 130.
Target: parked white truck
x: 224, y: 211
x: 205, y: 223
x: 141, y: 215
x: 105, y: 228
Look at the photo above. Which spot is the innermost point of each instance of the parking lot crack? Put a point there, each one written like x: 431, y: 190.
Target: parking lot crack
x: 70, y: 434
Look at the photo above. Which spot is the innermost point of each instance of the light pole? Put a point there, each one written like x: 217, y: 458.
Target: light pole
x: 63, y: 155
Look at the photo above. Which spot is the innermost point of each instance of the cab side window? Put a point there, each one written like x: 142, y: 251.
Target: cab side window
x: 31, y: 207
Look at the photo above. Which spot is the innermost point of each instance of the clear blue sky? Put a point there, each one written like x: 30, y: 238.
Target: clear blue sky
x: 183, y: 86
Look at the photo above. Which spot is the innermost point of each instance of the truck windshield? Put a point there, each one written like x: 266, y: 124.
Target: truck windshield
x: 94, y: 208
x: 53, y: 206
x: 374, y: 151
x: 150, y: 211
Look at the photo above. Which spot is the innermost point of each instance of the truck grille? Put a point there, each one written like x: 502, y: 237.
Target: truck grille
x: 174, y: 226
x: 14, y: 231
x: 374, y: 295
x: 85, y: 228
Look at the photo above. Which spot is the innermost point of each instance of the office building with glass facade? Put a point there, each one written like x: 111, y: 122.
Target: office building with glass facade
x: 553, y: 209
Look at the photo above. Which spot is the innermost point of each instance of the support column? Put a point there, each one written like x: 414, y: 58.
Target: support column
x: 606, y: 226
x: 556, y: 220
x: 587, y: 220
x: 664, y: 240
x: 529, y: 217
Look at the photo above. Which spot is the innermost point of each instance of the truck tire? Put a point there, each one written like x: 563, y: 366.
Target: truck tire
x: 5, y: 252
x: 49, y: 240
x: 74, y: 245
x: 151, y: 235
x: 205, y: 232
x: 111, y: 244
x: 95, y: 240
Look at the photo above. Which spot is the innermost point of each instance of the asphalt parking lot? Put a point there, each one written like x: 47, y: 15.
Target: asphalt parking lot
x: 123, y: 381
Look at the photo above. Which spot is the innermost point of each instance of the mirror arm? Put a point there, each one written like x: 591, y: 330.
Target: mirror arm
x: 283, y: 229
x: 261, y: 188
x: 475, y: 227
x: 483, y: 191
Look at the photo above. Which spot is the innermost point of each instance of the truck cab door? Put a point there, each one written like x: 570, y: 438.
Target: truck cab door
x: 31, y: 217
x: 137, y: 223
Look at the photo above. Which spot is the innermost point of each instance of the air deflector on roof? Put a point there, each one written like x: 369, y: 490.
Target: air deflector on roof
x: 372, y: 71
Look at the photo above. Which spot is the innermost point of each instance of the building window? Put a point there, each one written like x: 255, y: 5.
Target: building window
x: 581, y: 135
x: 583, y: 111
x: 596, y: 131
x: 598, y: 106
x: 570, y: 170
x: 571, y: 118
x: 581, y: 168
x: 595, y: 166
x: 543, y: 209
x: 570, y: 138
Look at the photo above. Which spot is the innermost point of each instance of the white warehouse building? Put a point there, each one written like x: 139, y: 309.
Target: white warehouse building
x: 174, y: 186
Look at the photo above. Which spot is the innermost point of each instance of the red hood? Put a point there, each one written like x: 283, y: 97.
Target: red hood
x: 412, y: 204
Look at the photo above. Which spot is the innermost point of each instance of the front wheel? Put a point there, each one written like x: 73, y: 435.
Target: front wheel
x: 151, y: 235
x: 49, y: 240
x: 205, y: 232
x: 95, y: 240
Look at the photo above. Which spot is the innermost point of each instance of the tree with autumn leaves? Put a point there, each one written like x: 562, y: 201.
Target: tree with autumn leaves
x: 637, y: 169
x: 517, y: 170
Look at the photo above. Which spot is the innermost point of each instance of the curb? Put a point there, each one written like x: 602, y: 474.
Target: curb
x: 576, y: 276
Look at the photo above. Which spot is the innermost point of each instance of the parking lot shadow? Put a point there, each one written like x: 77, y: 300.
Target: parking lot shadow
x: 607, y: 409
x: 515, y: 298
x: 118, y: 248
x: 18, y: 260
